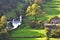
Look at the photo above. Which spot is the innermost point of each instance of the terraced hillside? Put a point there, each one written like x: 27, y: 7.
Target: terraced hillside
x: 52, y: 8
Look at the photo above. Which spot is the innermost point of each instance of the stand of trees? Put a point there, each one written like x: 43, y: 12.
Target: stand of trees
x: 7, y: 5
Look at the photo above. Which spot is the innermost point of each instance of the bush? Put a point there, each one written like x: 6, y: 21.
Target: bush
x: 33, y: 24
x: 48, y: 31
x: 39, y: 24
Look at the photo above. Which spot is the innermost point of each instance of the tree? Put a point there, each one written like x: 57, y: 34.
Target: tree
x: 3, y: 23
x: 33, y: 10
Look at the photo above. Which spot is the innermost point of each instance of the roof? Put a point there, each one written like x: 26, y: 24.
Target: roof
x: 55, y: 20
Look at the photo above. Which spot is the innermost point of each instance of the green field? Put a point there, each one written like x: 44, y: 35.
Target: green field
x: 28, y: 32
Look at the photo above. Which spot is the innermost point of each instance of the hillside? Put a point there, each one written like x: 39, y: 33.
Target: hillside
x: 51, y: 8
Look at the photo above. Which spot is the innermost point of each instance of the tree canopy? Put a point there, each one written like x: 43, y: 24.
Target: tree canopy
x: 33, y: 9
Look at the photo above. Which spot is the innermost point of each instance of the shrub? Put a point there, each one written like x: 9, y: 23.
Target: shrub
x: 33, y: 24
x: 46, y: 29
x: 39, y: 24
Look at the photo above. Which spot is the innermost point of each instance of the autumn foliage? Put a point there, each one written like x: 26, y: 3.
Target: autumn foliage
x: 33, y: 9
x: 2, y: 24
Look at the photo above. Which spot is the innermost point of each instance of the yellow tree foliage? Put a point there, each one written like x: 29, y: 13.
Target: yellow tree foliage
x: 46, y: 29
x: 29, y: 10
x: 2, y: 24
x: 33, y: 9
x: 2, y: 21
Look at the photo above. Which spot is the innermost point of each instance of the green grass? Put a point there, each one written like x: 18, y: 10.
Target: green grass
x: 28, y: 32
x: 37, y: 39
x: 55, y: 0
x: 53, y: 11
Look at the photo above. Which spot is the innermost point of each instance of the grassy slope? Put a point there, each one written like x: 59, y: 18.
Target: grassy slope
x: 33, y: 32
x: 53, y: 11
x: 28, y: 32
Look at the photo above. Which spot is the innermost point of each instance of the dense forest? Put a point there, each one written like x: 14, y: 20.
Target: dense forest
x: 7, y: 5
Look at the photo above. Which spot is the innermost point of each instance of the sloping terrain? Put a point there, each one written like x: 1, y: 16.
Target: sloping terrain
x: 51, y: 8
